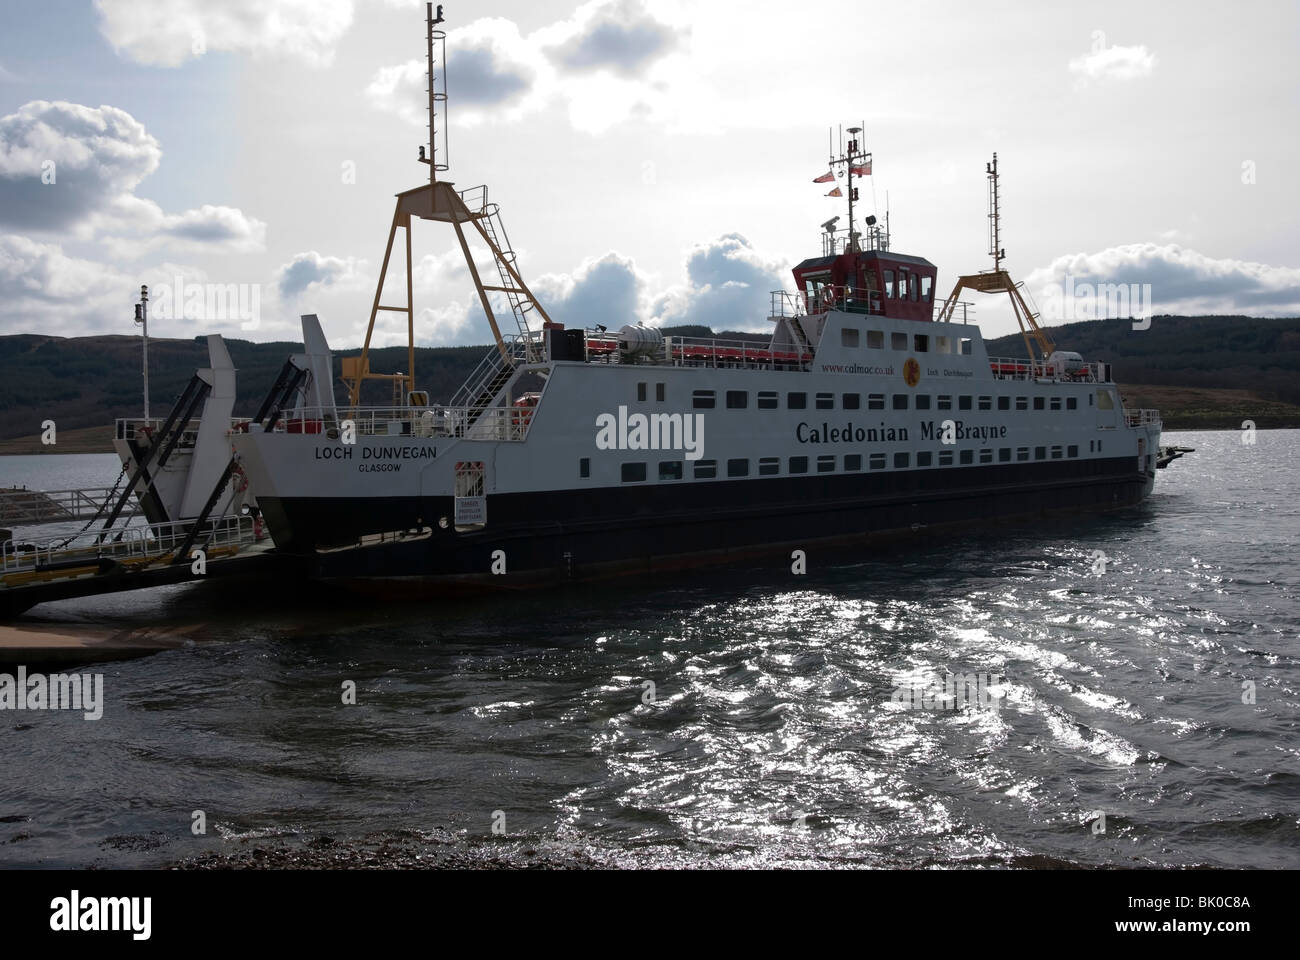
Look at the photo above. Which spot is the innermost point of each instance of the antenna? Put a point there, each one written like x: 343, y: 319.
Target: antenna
x: 857, y: 162
x: 995, y: 215
x: 438, y: 39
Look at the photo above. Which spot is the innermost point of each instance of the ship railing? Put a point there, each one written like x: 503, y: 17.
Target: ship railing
x: 786, y: 304
x: 124, y: 546
x: 138, y: 428
x: 21, y: 507
x: 435, y: 422
x: 963, y: 310
x: 1138, y: 418
x: 714, y: 352
x: 1018, y: 368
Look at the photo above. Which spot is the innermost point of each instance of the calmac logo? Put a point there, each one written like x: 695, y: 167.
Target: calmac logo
x: 912, y: 372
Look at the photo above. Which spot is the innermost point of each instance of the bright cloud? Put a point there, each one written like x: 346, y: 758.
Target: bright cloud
x: 168, y: 34
x: 68, y: 169
x: 1114, y: 63
x: 1182, y: 281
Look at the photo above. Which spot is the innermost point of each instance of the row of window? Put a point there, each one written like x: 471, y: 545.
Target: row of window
x: 916, y: 343
x: 771, y: 400
x: 638, y: 472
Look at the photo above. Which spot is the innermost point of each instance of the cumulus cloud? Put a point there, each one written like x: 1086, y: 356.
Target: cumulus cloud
x: 168, y: 34
x: 1182, y: 281
x: 621, y: 36
x: 491, y: 69
x: 1114, y: 63
x: 605, y: 51
x: 68, y: 168
x: 728, y: 287
x: 607, y: 290
x: 312, y: 270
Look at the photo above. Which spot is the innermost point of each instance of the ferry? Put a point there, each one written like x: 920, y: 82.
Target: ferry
x: 871, y: 409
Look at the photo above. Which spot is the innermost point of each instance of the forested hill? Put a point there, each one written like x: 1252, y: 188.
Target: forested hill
x: 86, y: 382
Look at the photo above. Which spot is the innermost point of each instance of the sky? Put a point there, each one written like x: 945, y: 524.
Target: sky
x: 653, y: 161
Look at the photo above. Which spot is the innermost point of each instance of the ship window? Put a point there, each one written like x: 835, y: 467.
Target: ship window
x: 898, y: 341
x: 875, y: 401
x: 634, y: 473
x: 738, y: 467
x: 703, y: 399
x: 798, y: 465
x: 1090, y: 446
x: 670, y: 469
x: 1056, y: 453
x: 923, y: 401
x: 945, y: 458
x: 1071, y: 403
x: 849, y: 336
x: 767, y: 399
x: 877, y: 461
x: 1056, y: 403
x: 924, y: 458
x: 1040, y: 453
x: 986, y: 403
x: 963, y: 403
x: 913, y: 288
x: 1090, y: 399
x: 706, y: 469
x: 1099, y: 446
x: 921, y: 343
x: 1004, y: 455
x: 737, y: 399
x: 769, y: 466
x: 926, y: 286
x: 875, y: 340
x: 660, y: 392
x: 1104, y: 400
x: 1038, y: 403
x: 1022, y: 403
x: 967, y: 456
x: 889, y: 284
x: 825, y: 401
x: 942, y: 345
x: 825, y: 464
x: 966, y: 347
x: 945, y: 402
x: 1004, y: 403
x: 641, y: 392
x: 901, y: 460
x: 796, y: 401
x: 853, y: 461
x: 986, y: 456
x: 584, y: 468
x: 852, y: 401
x: 1072, y: 451
x: 900, y: 401
x: 1022, y: 454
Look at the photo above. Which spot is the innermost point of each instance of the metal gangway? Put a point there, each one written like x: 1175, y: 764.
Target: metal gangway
x: 20, y: 507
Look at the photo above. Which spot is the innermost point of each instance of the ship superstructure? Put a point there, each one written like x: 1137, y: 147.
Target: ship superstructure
x: 871, y: 409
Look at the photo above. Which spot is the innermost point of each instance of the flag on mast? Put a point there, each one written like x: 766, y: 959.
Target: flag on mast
x: 826, y: 177
x: 835, y: 193
x: 863, y: 171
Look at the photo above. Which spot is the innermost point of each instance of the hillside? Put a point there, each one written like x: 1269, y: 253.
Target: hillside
x: 1201, y: 372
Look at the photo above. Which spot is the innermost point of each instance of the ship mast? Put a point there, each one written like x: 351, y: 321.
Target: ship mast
x: 438, y: 200
x: 854, y: 160
x: 998, y: 280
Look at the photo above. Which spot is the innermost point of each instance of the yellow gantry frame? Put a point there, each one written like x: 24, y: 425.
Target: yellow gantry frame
x: 440, y: 202
x: 999, y: 281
